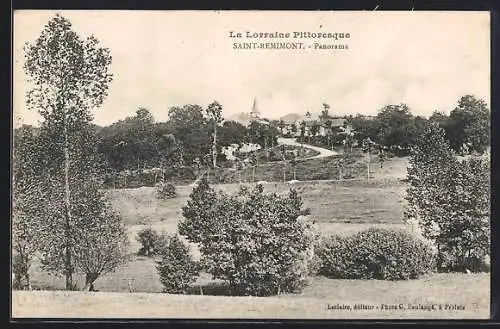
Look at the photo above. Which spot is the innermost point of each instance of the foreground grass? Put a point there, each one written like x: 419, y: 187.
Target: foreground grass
x: 467, y: 291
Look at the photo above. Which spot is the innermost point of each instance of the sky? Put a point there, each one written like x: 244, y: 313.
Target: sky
x: 427, y: 60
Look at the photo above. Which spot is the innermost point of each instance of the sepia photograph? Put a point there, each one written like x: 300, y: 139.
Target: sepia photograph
x: 250, y: 165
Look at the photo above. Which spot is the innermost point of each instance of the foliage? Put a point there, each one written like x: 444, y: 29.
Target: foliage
x: 397, y: 126
x: 263, y: 134
x: 137, y: 142
x: 68, y: 78
x: 214, y: 114
x: 257, y: 242
x: 231, y: 132
x: 449, y: 200
x: 176, y: 268
x: 189, y: 126
x: 165, y: 191
x: 365, y: 128
x: 375, y: 254
x: 148, y: 239
x: 26, y: 189
x: 102, y: 245
x: 469, y: 123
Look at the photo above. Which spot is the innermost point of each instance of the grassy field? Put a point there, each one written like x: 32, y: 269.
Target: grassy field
x: 341, y: 207
x: 467, y: 295
x: 336, y: 207
x: 355, y: 202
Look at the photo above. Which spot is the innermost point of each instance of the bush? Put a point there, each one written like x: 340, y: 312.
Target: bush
x: 165, y: 191
x: 376, y: 254
x: 258, y: 243
x: 176, y: 267
x: 148, y: 239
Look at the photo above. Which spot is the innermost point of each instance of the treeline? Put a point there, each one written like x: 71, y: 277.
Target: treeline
x: 467, y: 127
x: 185, y: 139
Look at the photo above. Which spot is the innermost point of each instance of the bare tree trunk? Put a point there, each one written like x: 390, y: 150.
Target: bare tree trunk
x: 214, y: 146
x: 368, y: 164
x: 67, y: 234
x: 89, y: 281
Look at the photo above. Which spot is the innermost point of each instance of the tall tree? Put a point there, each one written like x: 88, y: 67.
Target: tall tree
x: 428, y: 194
x: 469, y: 123
x: 69, y: 77
x: 324, y: 113
x: 214, y: 113
x: 303, y: 126
x: 189, y: 126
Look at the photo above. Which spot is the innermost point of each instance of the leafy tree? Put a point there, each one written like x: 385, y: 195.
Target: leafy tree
x: 189, y: 126
x: 315, y: 129
x: 69, y: 77
x: 303, y: 126
x: 469, y: 123
x: 165, y: 191
x: 148, y: 238
x: 26, y: 188
x: 214, y: 113
x: 440, y: 118
x: 397, y: 126
x: 256, y: 242
x: 132, y: 142
x: 324, y: 113
x: 176, y: 267
x: 366, y: 128
x: 449, y: 200
x: 231, y: 132
x: 263, y: 134
x: 102, y: 245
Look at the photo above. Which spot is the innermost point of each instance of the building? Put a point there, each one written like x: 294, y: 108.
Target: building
x: 293, y: 125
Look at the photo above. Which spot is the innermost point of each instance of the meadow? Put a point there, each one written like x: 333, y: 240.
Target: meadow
x: 336, y: 207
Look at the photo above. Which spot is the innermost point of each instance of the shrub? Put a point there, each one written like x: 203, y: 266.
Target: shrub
x: 148, y: 238
x: 376, y: 254
x: 165, y: 191
x: 258, y: 243
x: 176, y: 267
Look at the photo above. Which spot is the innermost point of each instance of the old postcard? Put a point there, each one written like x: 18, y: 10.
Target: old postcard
x: 251, y: 165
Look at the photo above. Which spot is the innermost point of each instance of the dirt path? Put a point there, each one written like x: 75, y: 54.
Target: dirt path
x: 323, y: 153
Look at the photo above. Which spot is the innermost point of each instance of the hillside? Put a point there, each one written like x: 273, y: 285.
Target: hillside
x: 291, y: 117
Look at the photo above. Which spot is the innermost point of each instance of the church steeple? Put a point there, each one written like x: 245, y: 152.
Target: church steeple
x: 254, y: 114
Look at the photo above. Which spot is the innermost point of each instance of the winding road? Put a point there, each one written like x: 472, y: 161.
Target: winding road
x: 323, y: 153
